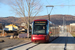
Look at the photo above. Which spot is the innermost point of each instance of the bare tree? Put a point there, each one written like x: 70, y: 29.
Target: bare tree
x: 25, y: 8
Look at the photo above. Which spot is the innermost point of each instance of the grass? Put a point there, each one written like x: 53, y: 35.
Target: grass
x: 22, y: 38
x: 73, y: 34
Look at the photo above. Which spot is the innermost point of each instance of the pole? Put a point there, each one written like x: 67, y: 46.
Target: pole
x: 50, y: 11
x: 49, y: 16
x: 70, y: 28
x: 63, y: 24
x: 3, y: 30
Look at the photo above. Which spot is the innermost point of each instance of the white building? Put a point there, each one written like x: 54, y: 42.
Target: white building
x: 72, y: 24
x: 23, y: 24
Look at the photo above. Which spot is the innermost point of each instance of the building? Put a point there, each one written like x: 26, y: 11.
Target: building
x: 11, y: 27
x: 23, y: 24
x: 72, y: 27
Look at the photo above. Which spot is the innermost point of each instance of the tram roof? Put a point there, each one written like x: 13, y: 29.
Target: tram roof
x: 44, y: 20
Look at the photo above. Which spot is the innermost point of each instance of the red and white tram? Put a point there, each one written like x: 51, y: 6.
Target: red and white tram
x: 44, y: 31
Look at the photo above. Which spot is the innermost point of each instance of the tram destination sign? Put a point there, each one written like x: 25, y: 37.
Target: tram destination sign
x: 43, y: 22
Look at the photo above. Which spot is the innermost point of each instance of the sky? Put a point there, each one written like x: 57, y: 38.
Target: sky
x: 5, y: 9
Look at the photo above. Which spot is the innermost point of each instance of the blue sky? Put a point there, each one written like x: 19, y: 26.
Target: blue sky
x: 5, y: 9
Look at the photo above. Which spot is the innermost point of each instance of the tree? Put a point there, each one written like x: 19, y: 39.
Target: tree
x: 24, y: 7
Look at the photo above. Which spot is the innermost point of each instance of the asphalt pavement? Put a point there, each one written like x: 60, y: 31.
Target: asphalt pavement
x: 65, y: 41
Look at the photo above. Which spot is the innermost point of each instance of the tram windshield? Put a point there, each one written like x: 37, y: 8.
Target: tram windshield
x: 39, y: 27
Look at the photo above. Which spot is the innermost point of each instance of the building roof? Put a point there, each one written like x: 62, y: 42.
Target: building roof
x: 12, y: 25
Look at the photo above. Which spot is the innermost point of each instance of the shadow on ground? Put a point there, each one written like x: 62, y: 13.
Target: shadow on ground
x: 59, y: 40
x: 62, y: 40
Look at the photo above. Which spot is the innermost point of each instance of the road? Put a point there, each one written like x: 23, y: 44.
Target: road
x: 65, y: 41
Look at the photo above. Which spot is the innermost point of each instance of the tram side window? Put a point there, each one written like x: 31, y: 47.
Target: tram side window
x: 52, y: 29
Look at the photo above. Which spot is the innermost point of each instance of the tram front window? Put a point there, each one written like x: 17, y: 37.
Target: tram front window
x: 39, y: 28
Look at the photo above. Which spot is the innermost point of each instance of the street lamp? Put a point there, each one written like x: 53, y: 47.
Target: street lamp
x: 50, y: 11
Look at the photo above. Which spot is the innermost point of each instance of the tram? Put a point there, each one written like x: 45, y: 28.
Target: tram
x: 44, y: 31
